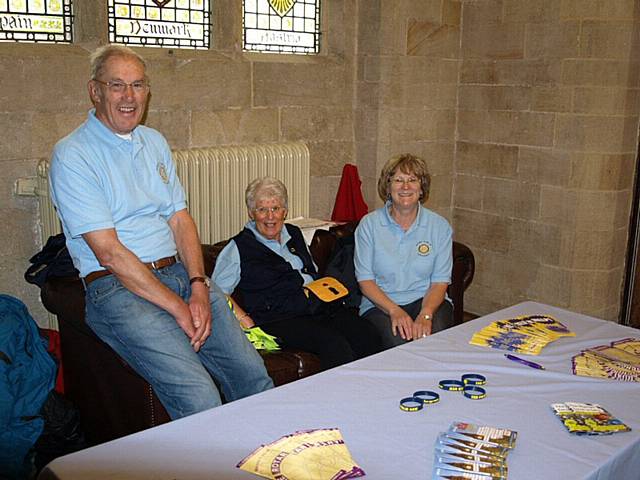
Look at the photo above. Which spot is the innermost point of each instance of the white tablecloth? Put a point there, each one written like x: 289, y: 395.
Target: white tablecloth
x: 361, y: 399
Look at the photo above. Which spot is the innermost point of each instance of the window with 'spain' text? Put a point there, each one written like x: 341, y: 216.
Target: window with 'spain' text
x: 36, y: 21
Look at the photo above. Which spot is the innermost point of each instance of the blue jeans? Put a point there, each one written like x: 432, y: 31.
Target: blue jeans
x: 153, y: 344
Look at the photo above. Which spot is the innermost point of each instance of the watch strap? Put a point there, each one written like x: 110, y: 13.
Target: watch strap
x: 204, y: 280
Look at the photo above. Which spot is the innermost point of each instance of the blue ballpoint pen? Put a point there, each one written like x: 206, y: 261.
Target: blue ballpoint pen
x: 524, y: 362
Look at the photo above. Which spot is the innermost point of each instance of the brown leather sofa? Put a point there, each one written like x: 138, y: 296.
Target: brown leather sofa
x: 114, y: 401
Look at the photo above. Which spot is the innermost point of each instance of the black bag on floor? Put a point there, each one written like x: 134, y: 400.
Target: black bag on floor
x: 62, y: 432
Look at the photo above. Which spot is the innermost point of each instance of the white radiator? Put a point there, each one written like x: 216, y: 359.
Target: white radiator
x: 214, y: 180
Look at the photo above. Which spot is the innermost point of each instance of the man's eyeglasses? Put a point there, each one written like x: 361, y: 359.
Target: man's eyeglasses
x: 401, y: 181
x: 118, y: 86
x: 262, y: 211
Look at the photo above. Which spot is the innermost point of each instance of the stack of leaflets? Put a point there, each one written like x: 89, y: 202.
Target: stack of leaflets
x: 525, y: 334
x: 587, y: 419
x: 620, y: 360
x: 304, y: 455
x: 468, y: 451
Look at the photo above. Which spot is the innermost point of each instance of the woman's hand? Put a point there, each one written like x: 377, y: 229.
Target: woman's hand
x: 422, y: 326
x: 246, y: 321
x: 401, y: 323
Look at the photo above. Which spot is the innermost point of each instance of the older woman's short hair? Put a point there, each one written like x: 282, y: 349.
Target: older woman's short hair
x: 100, y: 56
x: 265, y: 187
x: 405, y: 163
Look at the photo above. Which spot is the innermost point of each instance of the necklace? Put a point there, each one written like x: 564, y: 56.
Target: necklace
x: 401, y: 219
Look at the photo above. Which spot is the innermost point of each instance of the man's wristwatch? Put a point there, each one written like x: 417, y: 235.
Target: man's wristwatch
x: 426, y: 316
x: 204, y: 280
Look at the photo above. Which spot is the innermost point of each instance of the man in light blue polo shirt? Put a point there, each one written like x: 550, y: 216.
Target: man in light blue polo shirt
x: 124, y: 215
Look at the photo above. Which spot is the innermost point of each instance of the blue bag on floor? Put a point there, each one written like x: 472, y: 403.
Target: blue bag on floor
x: 27, y: 375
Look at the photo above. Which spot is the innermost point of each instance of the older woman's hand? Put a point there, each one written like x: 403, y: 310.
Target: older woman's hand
x: 246, y: 321
x: 401, y: 323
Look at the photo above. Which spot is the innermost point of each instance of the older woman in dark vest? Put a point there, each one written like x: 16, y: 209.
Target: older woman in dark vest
x: 269, y: 263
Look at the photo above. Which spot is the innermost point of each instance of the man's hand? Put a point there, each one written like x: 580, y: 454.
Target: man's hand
x: 200, y: 309
x: 401, y: 323
x: 184, y: 319
x: 188, y: 243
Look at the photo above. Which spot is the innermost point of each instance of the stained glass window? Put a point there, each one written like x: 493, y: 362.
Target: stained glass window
x: 160, y: 23
x: 36, y: 21
x: 283, y: 26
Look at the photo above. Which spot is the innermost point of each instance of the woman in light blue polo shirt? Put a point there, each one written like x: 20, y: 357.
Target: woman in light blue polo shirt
x: 403, y: 257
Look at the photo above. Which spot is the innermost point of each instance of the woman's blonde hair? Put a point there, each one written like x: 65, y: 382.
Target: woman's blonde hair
x: 405, y: 163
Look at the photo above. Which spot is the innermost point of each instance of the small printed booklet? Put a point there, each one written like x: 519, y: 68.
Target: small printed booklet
x: 309, y: 454
x: 501, y: 436
x: 587, y: 419
x: 525, y: 334
x: 619, y: 360
x: 468, y: 451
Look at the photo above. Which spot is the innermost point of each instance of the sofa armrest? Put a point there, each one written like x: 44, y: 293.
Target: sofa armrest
x: 113, y: 400
x: 461, y: 277
x: 210, y: 254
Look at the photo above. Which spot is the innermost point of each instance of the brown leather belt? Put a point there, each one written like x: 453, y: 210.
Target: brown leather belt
x: 157, y: 265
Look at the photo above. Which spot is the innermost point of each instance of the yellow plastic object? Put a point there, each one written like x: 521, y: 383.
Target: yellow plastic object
x: 328, y: 289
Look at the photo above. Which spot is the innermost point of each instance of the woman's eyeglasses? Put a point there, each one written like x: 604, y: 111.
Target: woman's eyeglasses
x: 263, y: 211
x: 408, y: 180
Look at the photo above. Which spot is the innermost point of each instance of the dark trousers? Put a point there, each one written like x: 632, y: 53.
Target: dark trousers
x: 336, y: 335
x: 443, y: 318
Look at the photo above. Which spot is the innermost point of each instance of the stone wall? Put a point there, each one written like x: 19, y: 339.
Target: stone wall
x: 527, y: 112
x: 407, y: 90
x: 546, y: 145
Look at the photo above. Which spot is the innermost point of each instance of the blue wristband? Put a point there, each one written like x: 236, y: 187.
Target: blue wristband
x: 428, y: 397
x: 473, y: 379
x: 451, y: 385
x: 474, y: 392
x: 411, y: 404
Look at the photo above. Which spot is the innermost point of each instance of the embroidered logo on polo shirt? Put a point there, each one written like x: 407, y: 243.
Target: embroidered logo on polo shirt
x: 424, y: 248
x: 162, y: 171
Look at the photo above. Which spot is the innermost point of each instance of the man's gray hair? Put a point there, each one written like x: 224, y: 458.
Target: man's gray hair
x: 265, y: 187
x: 100, y: 56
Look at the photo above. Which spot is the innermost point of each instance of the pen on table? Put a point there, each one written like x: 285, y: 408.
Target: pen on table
x: 524, y: 362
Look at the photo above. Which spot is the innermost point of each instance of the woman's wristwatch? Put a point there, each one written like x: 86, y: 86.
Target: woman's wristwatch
x: 426, y: 316
x: 204, y: 280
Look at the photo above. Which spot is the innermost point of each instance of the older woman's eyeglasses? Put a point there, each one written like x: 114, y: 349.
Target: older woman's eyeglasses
x: 118, y: 86
x: 405, y: 180
x: 262, y: 211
